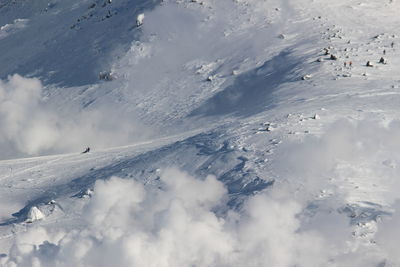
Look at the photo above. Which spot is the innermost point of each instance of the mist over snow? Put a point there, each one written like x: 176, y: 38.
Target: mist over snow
x: 186, y: 221
x: 222, y: 133
x: 127, y: 224
x: 347, y: 152
x: 28, y: 126
x: 8, y: 29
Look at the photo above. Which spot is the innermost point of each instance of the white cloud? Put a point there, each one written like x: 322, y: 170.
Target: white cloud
x: 358, y: 156
x: 388, y: 236
x: 132, y: 225
x: 356, y: 163
x: 22, y: 120
x: 128, y: 224
x: 8, y: 29
x: 29, y: 126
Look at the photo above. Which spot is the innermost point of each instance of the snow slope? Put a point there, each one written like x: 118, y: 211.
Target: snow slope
x: 227, y: 137
x: 67, y: 43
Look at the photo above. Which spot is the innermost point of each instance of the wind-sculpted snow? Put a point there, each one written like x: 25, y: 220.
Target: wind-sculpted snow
x: 194, y: 52
x: 207, y: 156
x: 252, y: 92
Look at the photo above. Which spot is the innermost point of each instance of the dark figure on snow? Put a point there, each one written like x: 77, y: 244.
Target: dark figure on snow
x: 382, y: 60
x: 87, y: 150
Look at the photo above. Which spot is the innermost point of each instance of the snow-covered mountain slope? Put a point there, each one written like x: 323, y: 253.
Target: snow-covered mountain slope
x: 236, y: 133
x: 67, y: 43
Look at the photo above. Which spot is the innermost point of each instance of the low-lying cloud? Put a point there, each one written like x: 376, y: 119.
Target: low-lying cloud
x: 9, y: 29
x: 29, y: 127
x: 186, y: 221
x: 352, y: 169
x: 128, y: 224
x: 358, y: 156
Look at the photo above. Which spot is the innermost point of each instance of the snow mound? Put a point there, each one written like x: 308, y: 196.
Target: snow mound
x: 34, y: 215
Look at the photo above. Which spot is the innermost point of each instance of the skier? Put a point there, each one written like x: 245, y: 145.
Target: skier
x: 87, y: 150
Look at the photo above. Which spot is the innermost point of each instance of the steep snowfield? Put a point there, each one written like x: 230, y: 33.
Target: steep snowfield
x: 67, y: 43
x: 222, y: 133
